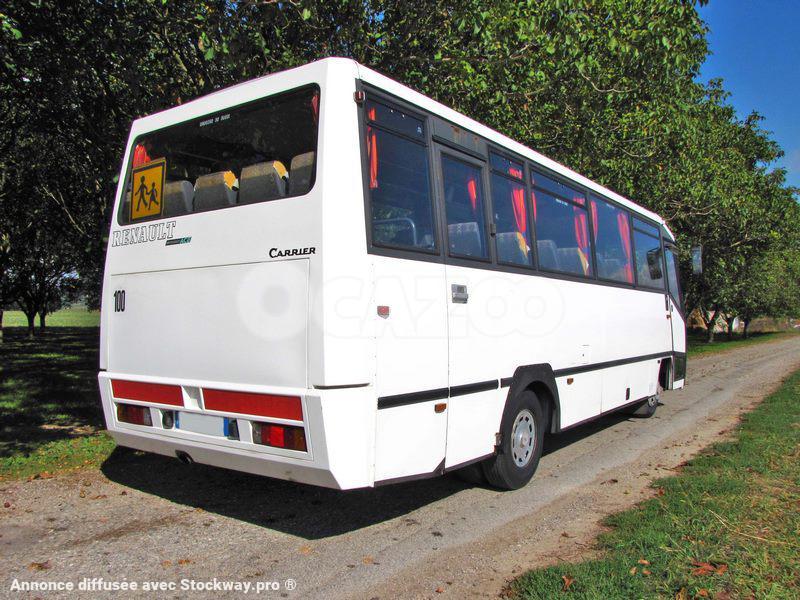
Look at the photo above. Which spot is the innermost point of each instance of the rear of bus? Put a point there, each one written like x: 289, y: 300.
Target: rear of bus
x: 219, y: 343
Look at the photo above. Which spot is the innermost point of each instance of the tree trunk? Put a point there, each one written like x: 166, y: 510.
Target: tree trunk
x: 746, y: 325
x: 31, y: 317
x: 1, y: 324
x: 42, y: 320
x: 710, y: 324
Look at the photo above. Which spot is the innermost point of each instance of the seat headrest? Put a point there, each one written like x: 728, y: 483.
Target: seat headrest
x: 300, y: 173
x: 214, y: 191
x: 178, y: 197
x: 262, y: 181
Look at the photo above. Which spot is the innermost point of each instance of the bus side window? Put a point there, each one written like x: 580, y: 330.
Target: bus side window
x: 399, y: 183
x: 563, y: 242
x: 612, y: 238
x: 673, y: 281
x: 510, y: 212
x: 463, y: 201
x: 648, y: 255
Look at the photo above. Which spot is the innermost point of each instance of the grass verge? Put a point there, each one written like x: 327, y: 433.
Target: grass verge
x: 59, y: 455
x: 698, y: 345
x: 727, y: 526
x: 67, y: 317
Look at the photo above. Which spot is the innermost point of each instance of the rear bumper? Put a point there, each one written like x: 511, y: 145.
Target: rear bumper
x: 339, y: 428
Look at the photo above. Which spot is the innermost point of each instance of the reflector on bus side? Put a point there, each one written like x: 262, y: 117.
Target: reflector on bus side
x: 158, y: 393
x: 263, y: 405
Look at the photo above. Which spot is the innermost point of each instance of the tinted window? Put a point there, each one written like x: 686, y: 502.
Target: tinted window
x: 264, y: 150
x: 649, y: 270
x: 557, y: 188
x: 562, y: 235
x: 396, y: 119
x: 511, y: 219
x: 463, y: 202
x: 672, y: 275
x: 506, y: 165
x: 402, y: 213
x: 612, y: 240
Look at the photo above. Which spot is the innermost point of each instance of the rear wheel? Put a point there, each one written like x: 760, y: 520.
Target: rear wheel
x: 521, y: 442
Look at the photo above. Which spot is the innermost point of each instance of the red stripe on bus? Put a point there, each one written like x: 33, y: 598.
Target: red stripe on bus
x: 147, y: 392
x: 263, y: 405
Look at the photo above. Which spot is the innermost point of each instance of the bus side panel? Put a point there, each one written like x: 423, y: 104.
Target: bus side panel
x: 411, y: 357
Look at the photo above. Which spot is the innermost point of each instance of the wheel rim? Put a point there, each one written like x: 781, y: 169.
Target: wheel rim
x: 523, y: 438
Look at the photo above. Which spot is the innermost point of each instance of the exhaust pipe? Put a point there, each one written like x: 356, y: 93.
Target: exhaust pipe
x: 184, y: 457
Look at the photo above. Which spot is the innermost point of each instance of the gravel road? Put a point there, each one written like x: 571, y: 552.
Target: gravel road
x: 146, y: 518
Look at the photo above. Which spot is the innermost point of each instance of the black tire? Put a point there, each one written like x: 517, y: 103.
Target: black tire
x: 472, y: 474
x: 503, y: 469
x: 646, y: 409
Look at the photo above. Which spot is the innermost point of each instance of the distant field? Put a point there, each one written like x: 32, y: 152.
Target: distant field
x: 69, y: 317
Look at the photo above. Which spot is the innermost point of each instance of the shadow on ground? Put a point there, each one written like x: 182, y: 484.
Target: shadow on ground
x: 306, y: 511
x: 48, y: 387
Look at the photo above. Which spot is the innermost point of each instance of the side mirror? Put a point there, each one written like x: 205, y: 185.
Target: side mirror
x: 697, y: 260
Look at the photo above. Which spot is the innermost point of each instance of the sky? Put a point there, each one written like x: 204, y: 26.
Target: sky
x: 755, y: 49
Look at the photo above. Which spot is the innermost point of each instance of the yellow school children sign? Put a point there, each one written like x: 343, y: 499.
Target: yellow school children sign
x: 148, y: 189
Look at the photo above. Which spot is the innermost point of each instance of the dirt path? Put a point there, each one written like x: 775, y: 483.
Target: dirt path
x: 150, y: 518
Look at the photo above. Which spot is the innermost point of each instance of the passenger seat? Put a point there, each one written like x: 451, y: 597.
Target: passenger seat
x: 262, y: 181
x: 548, y: 258
x: 465, y: 239
x: 509, y: 249
x: 214, y: 191
x: 178, y: 197
x: 300, y: 173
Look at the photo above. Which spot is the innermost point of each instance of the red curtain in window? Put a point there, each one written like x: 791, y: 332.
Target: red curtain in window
x: 625, y: 235
x: 315, y: 107
x: 518, y: 202
x: 581, y: 221
x: 140, y: 156
x: 593, y: 205
x: 472, y: 190
x: 372, y: 152
x: 533, y: 204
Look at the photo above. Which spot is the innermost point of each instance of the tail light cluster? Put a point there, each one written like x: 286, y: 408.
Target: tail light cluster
x: 280, y: 436
x: 137, y: 415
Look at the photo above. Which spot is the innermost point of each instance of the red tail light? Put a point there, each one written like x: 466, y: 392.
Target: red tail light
x: 137, y: 415
x: 280, y: 436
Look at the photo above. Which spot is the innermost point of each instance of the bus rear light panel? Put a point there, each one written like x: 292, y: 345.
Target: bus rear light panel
x: 140, y: 391
x: 248, y: 403
x: 288, y: 437
x: 135, y: 415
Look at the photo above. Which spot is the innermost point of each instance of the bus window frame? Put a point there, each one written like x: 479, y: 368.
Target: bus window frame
x: 526, y: 186
x: 641, y: 286
x: 396, y: 251
x: 228, y: 109
x: 670, y: 245
x: 490, y: 146
x: 439, y: 151
x: 630, y: 215
x: 585, y: 191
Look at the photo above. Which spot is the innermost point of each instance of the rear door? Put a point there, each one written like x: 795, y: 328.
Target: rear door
x: 676, y: 316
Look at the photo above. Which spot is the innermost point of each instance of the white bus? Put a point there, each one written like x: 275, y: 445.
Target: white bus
x: 324, y: 276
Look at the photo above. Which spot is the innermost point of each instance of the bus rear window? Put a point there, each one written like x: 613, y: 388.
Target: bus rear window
x: 264, y: 150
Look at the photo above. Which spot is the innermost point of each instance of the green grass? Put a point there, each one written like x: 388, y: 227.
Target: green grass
x: 68, y: 317
x: 698, y: 345
x: 59, y: 455
x: 49, y: 400
x: 735, y: 507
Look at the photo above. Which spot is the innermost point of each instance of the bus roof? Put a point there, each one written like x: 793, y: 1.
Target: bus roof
x: 254, y: 89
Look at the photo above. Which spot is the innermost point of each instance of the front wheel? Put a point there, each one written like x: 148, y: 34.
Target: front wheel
x: 521, y: 442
